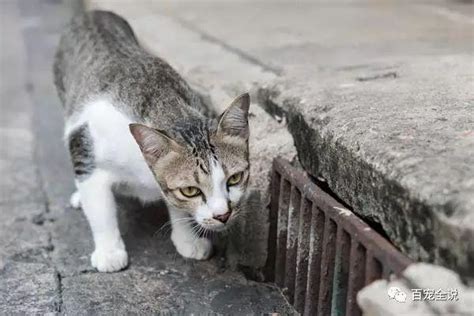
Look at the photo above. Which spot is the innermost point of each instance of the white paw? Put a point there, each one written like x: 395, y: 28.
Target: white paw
x: 109, y: 260
x: 199, y: 249
x: 75, y: 200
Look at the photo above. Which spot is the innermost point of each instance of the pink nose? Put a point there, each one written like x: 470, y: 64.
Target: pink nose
x: 223, y: 218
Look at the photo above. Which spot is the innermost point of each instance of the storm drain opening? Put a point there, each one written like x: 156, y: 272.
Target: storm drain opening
x: 319, y: 252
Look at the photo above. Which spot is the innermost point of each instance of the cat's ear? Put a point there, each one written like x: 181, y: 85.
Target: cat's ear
x: 153, y: 143
x: 234, y: 121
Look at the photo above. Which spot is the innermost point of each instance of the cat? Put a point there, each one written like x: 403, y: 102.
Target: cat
x: 132, y: 123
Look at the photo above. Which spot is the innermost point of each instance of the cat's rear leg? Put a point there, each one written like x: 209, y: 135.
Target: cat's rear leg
x: 94, y: 195
x: 99, y: 206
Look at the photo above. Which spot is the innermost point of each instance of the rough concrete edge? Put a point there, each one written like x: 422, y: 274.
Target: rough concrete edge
x: 433, y: 236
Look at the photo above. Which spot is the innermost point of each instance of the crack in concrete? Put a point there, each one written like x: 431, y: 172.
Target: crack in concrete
x: 390, y: 74
x: 205, y: 36
x: 40, y: 219
x: 59, y: 302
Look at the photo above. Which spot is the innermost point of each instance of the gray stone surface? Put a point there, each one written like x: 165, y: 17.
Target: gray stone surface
x: 143, y: 291
x: 22, y: 229
x: 45, y: 245
x: 29, y: 288
x: 378, y: 98
x: 286, y: 36
x: 19, y: 174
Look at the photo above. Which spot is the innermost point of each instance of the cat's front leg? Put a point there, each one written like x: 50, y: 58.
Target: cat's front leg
x: 185, y: 239
x: 99, y: 206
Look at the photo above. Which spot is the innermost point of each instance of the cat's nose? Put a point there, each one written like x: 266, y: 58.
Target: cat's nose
x: 223, y: 217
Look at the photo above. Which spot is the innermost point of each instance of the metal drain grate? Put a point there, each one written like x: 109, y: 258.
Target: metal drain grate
x: 319, y: 252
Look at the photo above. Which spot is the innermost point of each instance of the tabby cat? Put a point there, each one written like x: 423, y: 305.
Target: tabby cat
x: 134, y: 125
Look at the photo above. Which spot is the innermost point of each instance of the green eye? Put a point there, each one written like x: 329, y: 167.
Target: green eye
x: 235, y: 179
x: 190, y: 192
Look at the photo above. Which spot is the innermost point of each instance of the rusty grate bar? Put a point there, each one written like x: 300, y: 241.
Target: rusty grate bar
x: 319, y: 252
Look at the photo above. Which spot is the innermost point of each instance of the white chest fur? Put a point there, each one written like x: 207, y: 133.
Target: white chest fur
x: 115, y: 150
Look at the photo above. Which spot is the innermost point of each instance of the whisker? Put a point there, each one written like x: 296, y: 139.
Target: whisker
x: 168, y: 225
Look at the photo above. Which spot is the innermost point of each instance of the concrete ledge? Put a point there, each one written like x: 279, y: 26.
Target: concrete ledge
x: 398, y: 150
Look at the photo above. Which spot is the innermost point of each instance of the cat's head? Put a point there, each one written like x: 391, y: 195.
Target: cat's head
x: 202, y: 166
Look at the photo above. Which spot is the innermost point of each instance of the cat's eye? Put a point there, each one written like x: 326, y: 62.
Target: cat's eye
x: 190, y: 191
x: 235, y: 179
